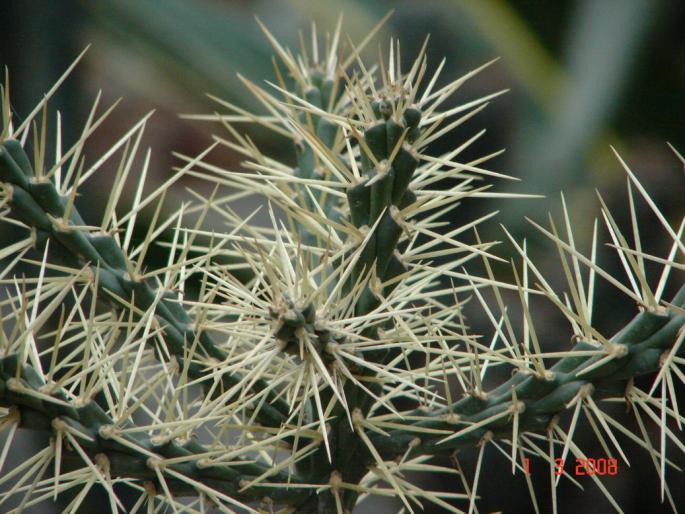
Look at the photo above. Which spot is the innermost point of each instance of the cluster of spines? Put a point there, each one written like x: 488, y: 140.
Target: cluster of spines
x: 540, y: 398
x: 387, y: 162
x: 294, y: 322
x: 40, y: 206
x: 90, y: 430
x: 385, y: 130
x: 376, y: 200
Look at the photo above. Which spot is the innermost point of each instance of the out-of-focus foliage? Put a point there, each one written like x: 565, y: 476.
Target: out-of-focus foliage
x: 569, y: 64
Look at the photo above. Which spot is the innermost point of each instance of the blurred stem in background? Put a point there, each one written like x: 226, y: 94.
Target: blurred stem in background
x: 35, y: 50
x: 566, y: 123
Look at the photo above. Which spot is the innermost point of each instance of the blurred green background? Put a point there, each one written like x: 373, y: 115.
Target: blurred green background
x: 583, y: 75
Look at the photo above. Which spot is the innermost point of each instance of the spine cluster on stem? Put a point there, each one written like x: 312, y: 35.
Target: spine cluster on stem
x: 325, y: 370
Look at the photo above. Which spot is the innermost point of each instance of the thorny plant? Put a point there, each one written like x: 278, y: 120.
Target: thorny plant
x: 328, y: 373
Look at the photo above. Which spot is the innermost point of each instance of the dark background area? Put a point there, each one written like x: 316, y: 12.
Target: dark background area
x: 583, y: 75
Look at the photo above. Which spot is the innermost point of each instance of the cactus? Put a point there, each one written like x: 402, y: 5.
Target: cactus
x: 327, y: 373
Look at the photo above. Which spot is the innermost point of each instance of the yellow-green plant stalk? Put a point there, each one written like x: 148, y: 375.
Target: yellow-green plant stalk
x: 328, y: 373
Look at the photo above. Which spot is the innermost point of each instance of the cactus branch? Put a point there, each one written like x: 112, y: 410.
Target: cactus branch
x: 40, y: 206
x: 128, y: 454
x: 638, y: 349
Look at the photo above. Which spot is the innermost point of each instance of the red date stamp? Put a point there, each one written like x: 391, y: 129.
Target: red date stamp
x: 589, y: 466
